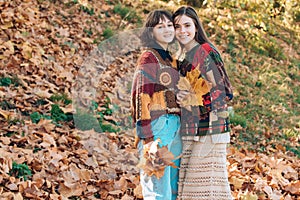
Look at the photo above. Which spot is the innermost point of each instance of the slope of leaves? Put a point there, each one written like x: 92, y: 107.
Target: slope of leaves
x: 43, y: 45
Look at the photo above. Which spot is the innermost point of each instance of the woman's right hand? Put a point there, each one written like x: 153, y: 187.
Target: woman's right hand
x: 181, y: 95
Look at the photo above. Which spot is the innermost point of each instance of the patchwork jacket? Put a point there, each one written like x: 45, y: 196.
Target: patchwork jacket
x: 153, y: 91
x: 211, y: 117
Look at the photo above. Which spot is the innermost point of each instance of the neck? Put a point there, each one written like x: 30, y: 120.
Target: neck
x: 164, y: 46
x: 190, y: 45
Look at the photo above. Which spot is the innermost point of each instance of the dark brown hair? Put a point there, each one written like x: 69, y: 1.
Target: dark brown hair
x: 152, y: 20
x: 200, y: 36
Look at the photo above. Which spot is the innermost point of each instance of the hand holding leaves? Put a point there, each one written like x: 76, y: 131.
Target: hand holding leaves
x: 156, y: 159
x: 195, y: 85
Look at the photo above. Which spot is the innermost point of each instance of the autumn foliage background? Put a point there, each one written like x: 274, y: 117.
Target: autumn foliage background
x: 52, y: 150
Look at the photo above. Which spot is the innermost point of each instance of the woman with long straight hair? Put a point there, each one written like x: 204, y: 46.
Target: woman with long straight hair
x: 205, y: 126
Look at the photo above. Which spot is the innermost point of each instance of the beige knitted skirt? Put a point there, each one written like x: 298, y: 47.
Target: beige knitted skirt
x: 203, y: 171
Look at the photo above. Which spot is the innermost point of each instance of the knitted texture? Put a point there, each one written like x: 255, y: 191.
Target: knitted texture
x: 197, y: 121
x: 203, y: 171
x: 153, y: 91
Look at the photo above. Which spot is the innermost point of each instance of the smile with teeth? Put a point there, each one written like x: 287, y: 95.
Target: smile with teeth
x: 168, y: 35
x: 183, y: 36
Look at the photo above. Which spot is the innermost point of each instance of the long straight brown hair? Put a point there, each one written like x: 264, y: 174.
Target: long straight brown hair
x: 200, y: 36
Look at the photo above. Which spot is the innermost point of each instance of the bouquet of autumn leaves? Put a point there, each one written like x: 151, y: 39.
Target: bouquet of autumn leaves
x: 156, y: 159
x: 196, y: 86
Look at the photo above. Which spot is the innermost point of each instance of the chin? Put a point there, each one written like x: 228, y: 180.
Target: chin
x: 183, y: 42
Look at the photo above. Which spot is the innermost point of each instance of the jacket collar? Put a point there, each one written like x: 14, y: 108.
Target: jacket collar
x: 165, y: 54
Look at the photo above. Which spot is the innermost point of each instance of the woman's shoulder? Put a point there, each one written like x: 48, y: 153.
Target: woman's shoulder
x: 207, y: 47
x: 202, y: 51
x: 148, y: 53
x: 148, y: 56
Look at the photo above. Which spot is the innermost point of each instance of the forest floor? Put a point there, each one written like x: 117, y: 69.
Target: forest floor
x: 65, y: 127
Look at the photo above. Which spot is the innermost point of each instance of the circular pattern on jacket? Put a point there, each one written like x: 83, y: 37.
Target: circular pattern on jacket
x: 165, y: 78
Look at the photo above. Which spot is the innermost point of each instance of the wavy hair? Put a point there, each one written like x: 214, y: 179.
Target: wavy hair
x: 152, y: 20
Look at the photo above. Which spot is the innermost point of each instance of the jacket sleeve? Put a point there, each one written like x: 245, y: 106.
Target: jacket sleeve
x: 142, y: 90
x: 213, y: 70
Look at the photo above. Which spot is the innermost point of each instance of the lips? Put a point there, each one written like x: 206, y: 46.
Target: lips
x: 183, y: 36
x: 168, y: 35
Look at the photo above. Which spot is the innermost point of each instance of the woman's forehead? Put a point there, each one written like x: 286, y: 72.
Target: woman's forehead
x: 183, y: 19
x: 164, y: 19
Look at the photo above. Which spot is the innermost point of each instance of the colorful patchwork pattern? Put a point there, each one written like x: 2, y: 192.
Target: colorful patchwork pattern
x: 153, y: 91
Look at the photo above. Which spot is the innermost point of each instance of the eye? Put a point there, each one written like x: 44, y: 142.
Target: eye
x: 176, y: 26
x: 159, y: 26
x: 170, y: 25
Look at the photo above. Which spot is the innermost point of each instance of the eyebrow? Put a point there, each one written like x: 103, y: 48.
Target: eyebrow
x: 165, y: 21
x: 183, y: 23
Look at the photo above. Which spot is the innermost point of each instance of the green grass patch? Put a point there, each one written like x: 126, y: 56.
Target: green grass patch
x: 127, y: 13
x: 36, y: 149
x: 85, y: 120
x: 95, y: 119
x: 7, y: 81
x: 56, y: 115
x: 87, y: 10
x: 237, y: 119
x: 41, y: 102
x: 61, y: 98
x: 107, y: 33
x: 20, y: 171
x: 36, y: 117
x: 89, y: 32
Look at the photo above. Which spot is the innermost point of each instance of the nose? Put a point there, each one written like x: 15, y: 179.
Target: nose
x: 169, y: 29
x: 181, y: 29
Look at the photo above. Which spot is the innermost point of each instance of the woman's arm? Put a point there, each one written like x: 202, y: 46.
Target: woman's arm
x: 142, y: 91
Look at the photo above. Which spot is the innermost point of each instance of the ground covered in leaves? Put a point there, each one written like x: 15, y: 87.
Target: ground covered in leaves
x: 49, y: 49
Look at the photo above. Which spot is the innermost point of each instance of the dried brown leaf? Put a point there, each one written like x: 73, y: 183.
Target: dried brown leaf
x: 293, y: 187
x: 156, y: 159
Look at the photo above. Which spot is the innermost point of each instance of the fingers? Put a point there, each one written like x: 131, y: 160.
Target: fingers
x: 181, y: 95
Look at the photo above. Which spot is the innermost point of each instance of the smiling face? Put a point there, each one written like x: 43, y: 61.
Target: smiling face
x: 164, y: 32
x: 185, y: 30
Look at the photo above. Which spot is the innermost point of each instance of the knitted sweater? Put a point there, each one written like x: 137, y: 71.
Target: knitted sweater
x: 212, y: 117
x: 153, y: 91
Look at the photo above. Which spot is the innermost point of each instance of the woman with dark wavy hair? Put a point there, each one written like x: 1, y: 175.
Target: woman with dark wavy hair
x: 156, y: 114
x: 204, y: 126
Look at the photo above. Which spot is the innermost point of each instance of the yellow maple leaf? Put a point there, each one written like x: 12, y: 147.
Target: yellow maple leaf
x: 184, y: 84
x: 196, y: 85
x: 192, y: 76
